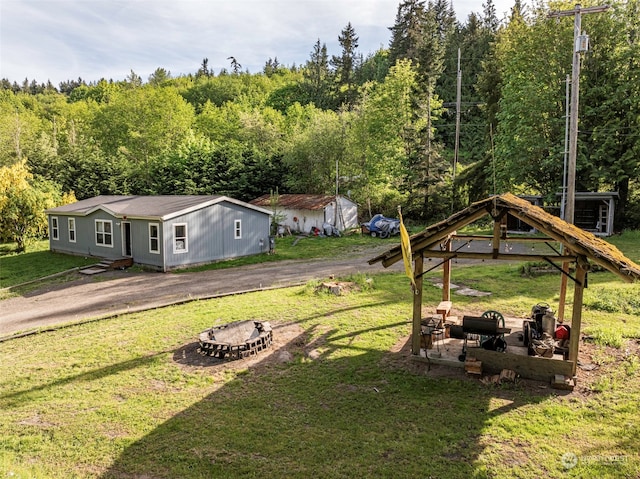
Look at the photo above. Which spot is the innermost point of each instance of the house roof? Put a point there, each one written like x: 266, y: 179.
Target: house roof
x: 161, y: 207
x: 297, y: 202
x: 575, y: 240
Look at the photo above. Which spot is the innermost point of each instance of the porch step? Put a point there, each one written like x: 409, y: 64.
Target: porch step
x: 107, y: 264
x: 92, y: 270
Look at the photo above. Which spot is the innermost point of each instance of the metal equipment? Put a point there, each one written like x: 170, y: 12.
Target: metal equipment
x: 539, y: 331
x: 488, y: 329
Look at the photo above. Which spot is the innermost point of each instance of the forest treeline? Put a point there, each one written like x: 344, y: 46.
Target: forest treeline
x: 383, y: 123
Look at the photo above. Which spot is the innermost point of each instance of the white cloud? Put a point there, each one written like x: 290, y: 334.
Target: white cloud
x: 92, y: 39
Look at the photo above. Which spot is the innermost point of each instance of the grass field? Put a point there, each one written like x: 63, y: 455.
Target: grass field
x: 130, y: 398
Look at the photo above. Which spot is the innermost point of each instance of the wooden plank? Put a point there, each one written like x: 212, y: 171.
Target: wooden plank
x: 444, y: 308
x: 528, y: 367
x: 510, y: 239
x: 495, y: 242
x: 426, y: 240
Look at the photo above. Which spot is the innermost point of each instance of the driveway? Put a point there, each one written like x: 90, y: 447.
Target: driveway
x: 117, y: 292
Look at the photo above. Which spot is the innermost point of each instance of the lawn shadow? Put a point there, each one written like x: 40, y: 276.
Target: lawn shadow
x: 12, y: 399
x: 346, y: 411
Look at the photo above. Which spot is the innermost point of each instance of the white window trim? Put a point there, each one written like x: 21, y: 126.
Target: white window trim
x: 70, y: 222
x: 186, y: 239
x: 237, y: 229
x: 55, y: 228
x: 103, y: 245
x: 157, y: 238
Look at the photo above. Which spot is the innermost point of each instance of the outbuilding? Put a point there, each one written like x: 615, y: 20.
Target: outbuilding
x: 161, y: 232
x: 301, y: 213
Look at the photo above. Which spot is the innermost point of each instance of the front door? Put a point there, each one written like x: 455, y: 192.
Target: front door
x: 126, y: 239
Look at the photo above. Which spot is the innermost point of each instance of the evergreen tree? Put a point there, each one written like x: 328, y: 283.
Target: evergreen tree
x: 235, y: 66
x: 204, y: 71
x: 406, y: 33
x: 345, y: 65
x: 133, y: 80
x: 318, y: 77
x: 159, y: 76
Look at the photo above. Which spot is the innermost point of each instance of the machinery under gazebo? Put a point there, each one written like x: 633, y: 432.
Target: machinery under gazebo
x: 578, y: 250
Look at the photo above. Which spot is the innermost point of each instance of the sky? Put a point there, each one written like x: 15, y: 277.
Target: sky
x: 59, y: 40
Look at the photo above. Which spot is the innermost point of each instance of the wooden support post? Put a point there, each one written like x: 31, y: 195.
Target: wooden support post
x: 496, y: 238
x: 576, y: 319
x: 563, y: 291
x: 446, y: 275
x: 417, y: 306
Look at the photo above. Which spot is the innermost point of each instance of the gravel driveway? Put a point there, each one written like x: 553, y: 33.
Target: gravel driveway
x: 116, y: 292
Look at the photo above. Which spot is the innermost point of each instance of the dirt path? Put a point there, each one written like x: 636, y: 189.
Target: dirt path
x: 118, y: 292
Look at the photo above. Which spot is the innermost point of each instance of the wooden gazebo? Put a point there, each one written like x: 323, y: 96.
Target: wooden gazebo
x: 578, y: 248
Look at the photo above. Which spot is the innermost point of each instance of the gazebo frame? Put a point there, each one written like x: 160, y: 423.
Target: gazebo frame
x: 579, y: 248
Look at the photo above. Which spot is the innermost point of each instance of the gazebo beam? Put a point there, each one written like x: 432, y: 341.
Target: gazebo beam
x: 499, y: 256
x: 395, y: 254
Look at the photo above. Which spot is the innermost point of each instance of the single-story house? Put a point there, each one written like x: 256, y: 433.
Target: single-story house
x: 302, y: 212
x: 162, y: 232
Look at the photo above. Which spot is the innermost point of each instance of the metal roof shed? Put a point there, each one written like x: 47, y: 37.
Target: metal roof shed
x: 302, y: 212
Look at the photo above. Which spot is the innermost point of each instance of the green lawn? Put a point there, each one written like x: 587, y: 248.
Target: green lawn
x: 129, y: 398
x: 36, y: 263
x: 123, y: 398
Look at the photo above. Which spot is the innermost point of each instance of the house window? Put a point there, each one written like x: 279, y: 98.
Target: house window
x: 180, y: 240
x: 54, y: 227
x: 72, y: 230
x: 237, y: 229
x: 104, y: 233
x: 154, y: 238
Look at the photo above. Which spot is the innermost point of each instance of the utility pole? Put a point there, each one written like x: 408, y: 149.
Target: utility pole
x: 457, y: 144
x: 458, y: 102
x: 563, y: 205
x: 580, y: 44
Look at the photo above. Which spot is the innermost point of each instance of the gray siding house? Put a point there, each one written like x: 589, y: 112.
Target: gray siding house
x: 162, y: 232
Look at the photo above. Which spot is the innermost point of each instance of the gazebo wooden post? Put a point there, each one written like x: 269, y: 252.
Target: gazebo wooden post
x: 563, y: 291
x: 576, y: 318
x: 446, y: 275
x: 417, y: 305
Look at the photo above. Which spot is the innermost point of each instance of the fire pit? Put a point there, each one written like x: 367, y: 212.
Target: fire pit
x: 236, y: 340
